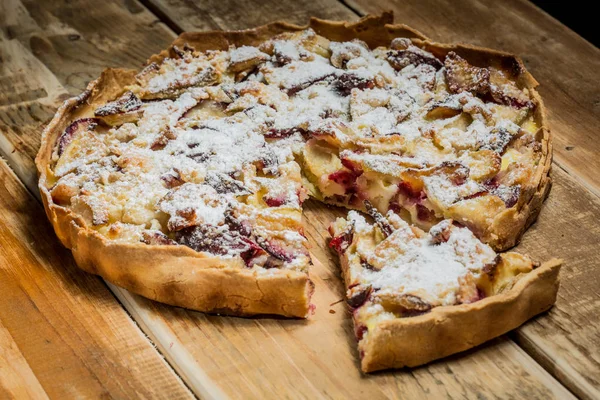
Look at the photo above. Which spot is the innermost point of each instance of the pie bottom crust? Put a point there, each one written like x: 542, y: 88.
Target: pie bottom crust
x: 446, y: 330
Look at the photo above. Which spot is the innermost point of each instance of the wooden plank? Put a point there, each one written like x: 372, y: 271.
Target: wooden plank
x: 60, y: 328
x: 566, y: 341
x: 190, y: 15
x: 565, y: 64
x: 17, y: 380
x: 274, y: 358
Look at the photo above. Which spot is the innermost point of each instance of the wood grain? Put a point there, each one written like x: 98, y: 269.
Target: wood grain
x: 17, y: 380
x: 190, y: 15
x: 565, y: 64
x: 60, y: 328
x: 566, y: 341
x: 51, y: 50
x: 316, y: 358
x: 260, y: 357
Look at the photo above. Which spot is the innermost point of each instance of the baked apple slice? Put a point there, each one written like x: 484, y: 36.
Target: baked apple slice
x: 126, y: 108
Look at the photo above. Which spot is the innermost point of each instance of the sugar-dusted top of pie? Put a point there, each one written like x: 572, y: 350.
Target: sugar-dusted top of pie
x: 396, y: 270
x: 215, y: 150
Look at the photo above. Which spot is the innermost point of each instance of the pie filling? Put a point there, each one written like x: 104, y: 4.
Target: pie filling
x: 396, y: 270
x: 217, y: 150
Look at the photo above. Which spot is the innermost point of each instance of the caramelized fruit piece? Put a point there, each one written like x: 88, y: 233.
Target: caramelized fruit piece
x: 211, y: 239
x: 441, y: 232
x: 341, y: 53
x: 467, y: 290
x: 497, y: 140
x: 275, y: 201
x: 404, y: 53
x: 483, y: 164
x: 379, y: 219
x: 125, y: 109
x: 274, y: 249
x: 157, y: 238
x: 223, y: 183
x: 504, y: 91
x: 303, y: 85
x: 357, y: 295
x: 443, y: 110
x: 245, y: 58
x: 76, y: 127
x: 461, y: 76
x: 62, y: 192
x: 405, y: 305
x: 464, y: 77
x: 341, y: 242
x: 172, y: 179
x: 502, y: 274
x: 163, y: 139
x: 344, y: 84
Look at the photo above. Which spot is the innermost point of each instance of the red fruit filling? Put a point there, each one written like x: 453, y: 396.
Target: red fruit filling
x: 358, y: 295
x: 341, y: 242
x: 275, y: 201
x: 425, y: 214
x: 344, y: 84
x: 80, y: 125
x: 284, y: 133
x: 399, y: 59
x: 410, y: 193
x: 360, y: 331
x: 346, y: 179
x: 295, y: 89
x: 274, y: 249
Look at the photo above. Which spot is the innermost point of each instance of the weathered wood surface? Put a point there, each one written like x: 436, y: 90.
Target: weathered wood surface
x: 190, y: 15
x: 17, y: 380
x: 270, y: 357
x: 62, y: 333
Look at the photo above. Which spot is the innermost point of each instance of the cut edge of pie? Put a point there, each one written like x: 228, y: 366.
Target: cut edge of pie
x: 409, y: 307
x: 183, y: 277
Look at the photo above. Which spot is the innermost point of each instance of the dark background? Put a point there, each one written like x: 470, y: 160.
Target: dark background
x: 577, y: 15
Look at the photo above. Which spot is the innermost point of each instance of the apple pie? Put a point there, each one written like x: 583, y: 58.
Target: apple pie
x: 184, y: 181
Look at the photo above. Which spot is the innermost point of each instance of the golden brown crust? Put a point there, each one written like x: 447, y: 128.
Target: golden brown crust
x: 208, y: 283
x: 175, y: 275
x: 447, y: 330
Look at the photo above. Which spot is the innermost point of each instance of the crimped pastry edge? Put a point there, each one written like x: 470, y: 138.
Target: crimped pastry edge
x: 212, y: 284
x: 409, y: 342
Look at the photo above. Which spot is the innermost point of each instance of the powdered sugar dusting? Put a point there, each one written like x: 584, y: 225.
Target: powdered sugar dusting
x: 215, y: 135
x: 420, y: 267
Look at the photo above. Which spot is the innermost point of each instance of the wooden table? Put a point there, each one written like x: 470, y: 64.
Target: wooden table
x: 65, y: 334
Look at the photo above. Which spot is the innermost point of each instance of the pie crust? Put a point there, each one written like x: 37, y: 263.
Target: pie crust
x: 180, y: 276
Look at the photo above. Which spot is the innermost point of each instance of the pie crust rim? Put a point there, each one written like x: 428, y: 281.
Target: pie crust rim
x: 180, y: 276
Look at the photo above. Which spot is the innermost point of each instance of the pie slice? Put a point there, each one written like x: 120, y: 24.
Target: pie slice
x: 184, y: 182
x: 417, y: 296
